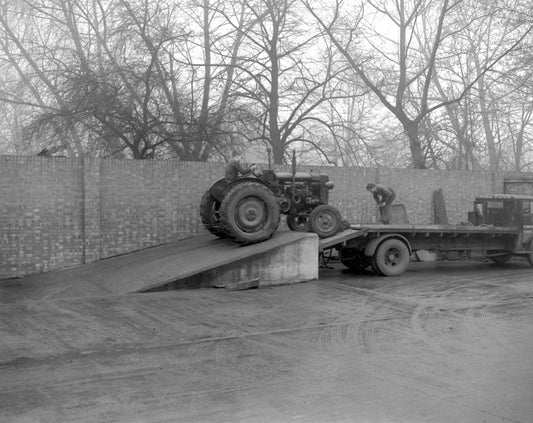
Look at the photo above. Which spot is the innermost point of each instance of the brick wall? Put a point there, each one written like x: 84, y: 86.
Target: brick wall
x: 519, y: 184
x: 58, y: 212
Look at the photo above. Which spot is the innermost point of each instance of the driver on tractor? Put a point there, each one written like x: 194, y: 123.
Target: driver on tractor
x: 234, y: 169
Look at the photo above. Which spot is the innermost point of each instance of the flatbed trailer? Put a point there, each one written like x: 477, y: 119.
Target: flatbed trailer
x: 388, y: 249
x: 499, y: 227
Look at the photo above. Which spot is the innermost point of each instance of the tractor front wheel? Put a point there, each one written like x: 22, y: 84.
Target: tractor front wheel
x: 325, y: 221
x: 249, y: 212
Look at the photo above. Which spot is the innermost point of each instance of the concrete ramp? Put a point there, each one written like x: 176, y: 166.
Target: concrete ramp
x: 288, y: 257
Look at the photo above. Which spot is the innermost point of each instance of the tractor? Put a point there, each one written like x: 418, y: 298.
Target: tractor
x: 248, y: 209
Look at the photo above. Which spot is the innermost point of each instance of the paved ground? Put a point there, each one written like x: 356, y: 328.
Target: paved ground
x: 447, y: 343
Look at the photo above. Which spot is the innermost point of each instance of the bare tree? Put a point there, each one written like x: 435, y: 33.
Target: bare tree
x: 123, y: 77
x: 31, y: 66
x: 401, y: 76
x: 284, y: 82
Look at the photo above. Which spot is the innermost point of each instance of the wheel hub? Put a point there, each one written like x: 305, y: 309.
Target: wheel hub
x: 325, y: 221
x: 392, y: 257
x: 250, y: 213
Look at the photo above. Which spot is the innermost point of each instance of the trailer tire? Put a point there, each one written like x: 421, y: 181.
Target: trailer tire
x: 325, y: 220
x: 249, y: 213
x: 501, y: 260
x: 391, y: 257
x: 353, y: 259
x: 356, y: 264
x: 374, y: 266
x: 530, y: 255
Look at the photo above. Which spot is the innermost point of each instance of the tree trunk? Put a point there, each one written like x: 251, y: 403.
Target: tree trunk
x: 273, y: 107
x: 487, y: 127
x: 411, y: 129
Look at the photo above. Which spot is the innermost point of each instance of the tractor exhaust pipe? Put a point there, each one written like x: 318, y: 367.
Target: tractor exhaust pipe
x: 293, y: 173
x: 269, y: 150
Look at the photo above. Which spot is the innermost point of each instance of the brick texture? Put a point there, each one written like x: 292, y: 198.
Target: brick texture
x: 59, y: 212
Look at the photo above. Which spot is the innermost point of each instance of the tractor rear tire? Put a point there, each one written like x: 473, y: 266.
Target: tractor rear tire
x: 391, y: 258
x: 249, y: 213
x: 209, y: 213
x: 325, y: 221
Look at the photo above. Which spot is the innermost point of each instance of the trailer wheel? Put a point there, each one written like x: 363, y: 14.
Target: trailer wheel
x: 374, y: 266
x: 325, y: 220
x: 209, y: 213
x: 298, y: 222
x: 391, y: 257
x: 355, y: 265
x: 530, y: 255
x: 249, y: 212
x: 501, y: 260
x: 354, y: 260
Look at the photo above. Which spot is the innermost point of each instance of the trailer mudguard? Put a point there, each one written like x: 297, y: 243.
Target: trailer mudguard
x: 372, y: 245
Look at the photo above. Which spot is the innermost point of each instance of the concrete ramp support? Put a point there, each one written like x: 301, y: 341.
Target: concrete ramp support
x: 288, y: 257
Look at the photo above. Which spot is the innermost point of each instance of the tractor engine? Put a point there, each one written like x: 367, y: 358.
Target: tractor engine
x: 303, y: 190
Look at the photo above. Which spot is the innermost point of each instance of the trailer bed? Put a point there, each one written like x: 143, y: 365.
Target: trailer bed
x: 363, y: 229
x: 434, y: 229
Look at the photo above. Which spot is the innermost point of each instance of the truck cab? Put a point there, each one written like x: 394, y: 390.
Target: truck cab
x: 503, y: 210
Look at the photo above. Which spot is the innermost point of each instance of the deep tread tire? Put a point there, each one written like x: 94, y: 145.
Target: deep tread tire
x: 325, y: 221
x: 209, y: 213
x: 391, y: 257
x: 298, y: 223
x: 249, y: 213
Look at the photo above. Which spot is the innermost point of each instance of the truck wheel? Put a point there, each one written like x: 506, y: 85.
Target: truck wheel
x: 209, y: 213
x: 298, y: 222
x: 353, y: 259
x: 501, y: 260
x: 530, y: 255
x: 325, y: 221
x: 391, y: 257
x: 249, y: 212
x: 355, y: 265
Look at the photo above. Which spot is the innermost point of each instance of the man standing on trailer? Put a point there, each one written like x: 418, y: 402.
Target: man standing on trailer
x: 383, y: 196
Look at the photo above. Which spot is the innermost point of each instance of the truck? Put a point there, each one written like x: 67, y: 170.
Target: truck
x: 499, y: 227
